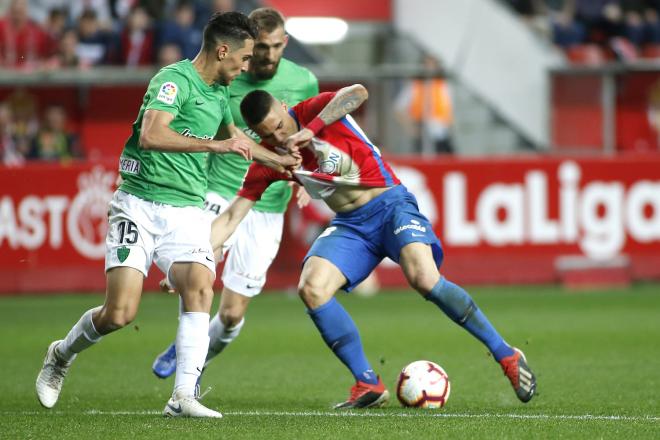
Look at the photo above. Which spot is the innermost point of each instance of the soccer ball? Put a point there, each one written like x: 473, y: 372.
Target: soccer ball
x: 423, y: 384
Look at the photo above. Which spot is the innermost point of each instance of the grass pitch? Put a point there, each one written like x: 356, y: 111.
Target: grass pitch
x: 596, y: 355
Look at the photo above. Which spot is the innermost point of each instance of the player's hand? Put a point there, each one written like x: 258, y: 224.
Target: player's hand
x: 165, y: 286
x: 233, y: 145
x: 298, y: 140
x: 302, y: 197
x: 291, y: 161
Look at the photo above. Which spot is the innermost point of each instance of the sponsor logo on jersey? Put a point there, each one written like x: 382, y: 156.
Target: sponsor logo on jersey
x: 167, y: 93
x: 187, y: 133
x: 414, y: 225
x: 129, y: 166
x: 331, y: 164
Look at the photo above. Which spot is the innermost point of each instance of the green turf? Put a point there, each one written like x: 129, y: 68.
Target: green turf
x: 596, y: 356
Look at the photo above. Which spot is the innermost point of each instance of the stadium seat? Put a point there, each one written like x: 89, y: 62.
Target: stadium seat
x: 586, y: 54
x: 651, y: 51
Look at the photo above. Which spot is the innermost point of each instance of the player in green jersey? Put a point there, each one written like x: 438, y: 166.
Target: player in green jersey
x: 156, y: 216
x: 255, y: 243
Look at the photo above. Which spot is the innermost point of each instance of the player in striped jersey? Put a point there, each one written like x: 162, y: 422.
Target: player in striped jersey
x: 376, y: 218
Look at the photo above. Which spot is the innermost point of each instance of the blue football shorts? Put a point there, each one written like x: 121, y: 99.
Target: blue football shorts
x: 357, y: 241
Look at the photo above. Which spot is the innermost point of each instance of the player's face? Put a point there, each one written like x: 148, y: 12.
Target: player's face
x: 268, y: 50
x: 276, y: 126
x: 233, y: 61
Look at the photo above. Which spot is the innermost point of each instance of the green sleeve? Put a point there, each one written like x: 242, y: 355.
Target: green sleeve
x: 312, y: 85
x: 168, y: 91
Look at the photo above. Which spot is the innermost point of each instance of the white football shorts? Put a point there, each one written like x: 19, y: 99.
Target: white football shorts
x: 141, y: 232
x: 251, y: 248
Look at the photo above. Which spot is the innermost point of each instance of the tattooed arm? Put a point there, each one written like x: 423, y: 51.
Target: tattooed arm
x: 344, y: 102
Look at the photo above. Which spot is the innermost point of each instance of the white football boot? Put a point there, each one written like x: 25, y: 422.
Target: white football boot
x: 187, y: 406
x: 51, y: 376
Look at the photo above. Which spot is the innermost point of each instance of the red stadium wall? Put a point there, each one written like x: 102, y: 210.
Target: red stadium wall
x: 576, y: 121
x: 502, y: 220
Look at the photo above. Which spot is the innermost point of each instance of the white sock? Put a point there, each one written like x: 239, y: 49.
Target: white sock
x: 81, y: 336
x: 220, y: 337
x: 192, y: 342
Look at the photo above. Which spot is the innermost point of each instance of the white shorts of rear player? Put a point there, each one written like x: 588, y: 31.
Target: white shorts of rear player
x: 141, y: 232
x: 251, y: 249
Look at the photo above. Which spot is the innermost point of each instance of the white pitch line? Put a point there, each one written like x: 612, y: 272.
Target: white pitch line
x: 421, y: 414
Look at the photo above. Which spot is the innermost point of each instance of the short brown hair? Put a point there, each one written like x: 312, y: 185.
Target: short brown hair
x: 267, y: 19
x: 232, y: 27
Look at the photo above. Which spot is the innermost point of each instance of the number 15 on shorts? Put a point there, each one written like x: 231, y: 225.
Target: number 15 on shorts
x: 128, y: 232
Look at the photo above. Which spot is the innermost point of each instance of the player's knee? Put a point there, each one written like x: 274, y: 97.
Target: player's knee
x: 312, y: 293
x: 423, y: 282
x: 230, y: 317
x: 198, y: 299
x: 111, y: 319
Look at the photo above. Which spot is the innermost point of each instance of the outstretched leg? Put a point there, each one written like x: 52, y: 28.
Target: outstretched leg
x: 418, y: 265
x: 122, y: 298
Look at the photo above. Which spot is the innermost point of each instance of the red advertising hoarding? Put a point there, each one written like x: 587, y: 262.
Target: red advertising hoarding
x: 501, y: 220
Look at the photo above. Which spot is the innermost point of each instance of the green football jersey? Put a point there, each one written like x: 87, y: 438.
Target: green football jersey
x: 177, y: 179
x: 291, y: 84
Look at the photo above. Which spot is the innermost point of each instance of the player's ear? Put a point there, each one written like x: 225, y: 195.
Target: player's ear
x: 284, y: 106
x: 286, y: 39
x: 221, y: 51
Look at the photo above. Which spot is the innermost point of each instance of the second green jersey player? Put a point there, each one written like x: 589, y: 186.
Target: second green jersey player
x: 254, y: 245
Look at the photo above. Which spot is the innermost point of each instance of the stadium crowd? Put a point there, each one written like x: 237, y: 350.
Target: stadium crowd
x: 50, y: 34
x: 596, y: 31
x: 80, y: 34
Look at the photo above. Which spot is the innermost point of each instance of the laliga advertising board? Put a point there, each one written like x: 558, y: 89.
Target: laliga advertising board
x: 500, y: 219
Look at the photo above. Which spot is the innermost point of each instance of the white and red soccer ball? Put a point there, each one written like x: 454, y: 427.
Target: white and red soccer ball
x: 423, y: 384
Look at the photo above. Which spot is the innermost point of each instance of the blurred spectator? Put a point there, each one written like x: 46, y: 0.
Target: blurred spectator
x: 552, y: 18
x: 120, y: 9
x: 23, y: 106
x: 652, y: 19
x: 101, y: 8
x: 95, y: 45
x: 160, y: 9
x: 53, y: 142
x: 40, y: 10
x: 566, y: 30
x: 424, y: 109
x: 601, y: 18
x: 633, y: 23
x: 66, y: 55
x: 205, y: 8
x: 22, y: 42
x: 10, y: 152
x: 55, y: 27
x: 181, y: 30
x: 169, y: 54
x: 137, y: 39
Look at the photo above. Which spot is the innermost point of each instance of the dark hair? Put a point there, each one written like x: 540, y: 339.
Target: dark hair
x: 267, y: 19
x: 255, y: 106
x: 184, y: 4
x: 230, y: 27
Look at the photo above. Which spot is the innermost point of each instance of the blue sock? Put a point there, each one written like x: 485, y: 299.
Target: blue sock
x: 458, y: 305
x: 340, y: 334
